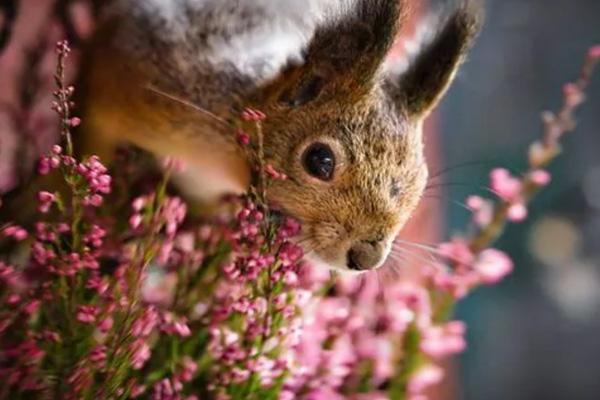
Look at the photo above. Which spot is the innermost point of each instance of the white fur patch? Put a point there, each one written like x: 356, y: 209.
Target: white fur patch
x: 280, y: 31
x: 285, y: 29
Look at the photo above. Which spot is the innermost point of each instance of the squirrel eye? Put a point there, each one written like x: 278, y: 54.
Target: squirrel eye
x: 318, y: 160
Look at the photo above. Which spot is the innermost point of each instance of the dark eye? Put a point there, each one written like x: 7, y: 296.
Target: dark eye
x: 318, y: 160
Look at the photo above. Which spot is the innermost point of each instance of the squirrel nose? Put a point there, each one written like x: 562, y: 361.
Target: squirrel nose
x: 365, y: 255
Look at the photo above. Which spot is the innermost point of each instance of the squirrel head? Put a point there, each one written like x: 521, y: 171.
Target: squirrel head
x: 347, y: 131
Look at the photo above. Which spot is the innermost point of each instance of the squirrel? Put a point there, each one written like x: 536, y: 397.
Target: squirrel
x: 342, y: 123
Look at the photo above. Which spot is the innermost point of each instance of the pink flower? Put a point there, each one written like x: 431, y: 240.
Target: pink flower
x: 181, y: 329
x: 95, y: 235
x: 51, y: 336
x: 140, y: 353
x: 540, y: 177
x: 505, y: 185
x: 106, y: 324
x: 139, y: 203
x: 189, y: 369
x: 250, y: 114
x: 164, y: 253
x: 447, y: 339
x: 289, y: 228
x: 62, y: 47
x: 44, y: 166
x: 594, y: 52
x: 425, y: 377
x: 492, y: 265
x: 45, y: 199
x: 414, y: 298
x: 457, y: 250
x: 13, y: 299
x: 323, y: 394
x: 372, y: 396
x: 137, y: 391
x: 31, y: 307
x: 482, y: 210
x: 175, y: 326
x: 86, y: 314
x: 517, y: 212
x: 243, y: 138
x: 174, y: 164
x: 41, y: 254
x: 16, y: 232
x: 143, y: 326
x: 98, y: 354
x: 290, y: 278
x: 94, y: 200
x: 457, y: 282
x: 135, y: 221
x: 573, y: 95
x: 81, y: 378
x: 273, y: 173
x: 173, y: 212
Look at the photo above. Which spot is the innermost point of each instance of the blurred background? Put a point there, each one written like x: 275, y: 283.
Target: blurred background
x: 534, y: 336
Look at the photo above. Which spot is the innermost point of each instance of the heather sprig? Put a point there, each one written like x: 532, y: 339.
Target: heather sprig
x: 154, y: 303
x: 467, y: 261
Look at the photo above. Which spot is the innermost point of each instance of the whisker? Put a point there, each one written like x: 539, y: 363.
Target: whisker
x: 432, y: 252
x: 302, y: 241
x: 398, y: 257
x: 412, y: 242
x: 457, y: 184
x: 187, y: 103
x: 380, y: 287
x: 461, y: 205
x: 484, y: 188
x: 407, y: 252
x: 461, y: 165
x: 392, y: 269
x: 453, y: 202
x: 426, y: 260
x: 395, y: 269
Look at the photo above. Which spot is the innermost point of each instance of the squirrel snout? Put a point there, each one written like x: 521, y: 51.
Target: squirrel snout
x: 365, y: 255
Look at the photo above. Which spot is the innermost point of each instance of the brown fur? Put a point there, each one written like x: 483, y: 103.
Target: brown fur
x: 340, y: 95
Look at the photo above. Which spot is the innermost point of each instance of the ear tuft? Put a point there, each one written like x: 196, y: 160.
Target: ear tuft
x: 345, y: 52
x: 420, y: 87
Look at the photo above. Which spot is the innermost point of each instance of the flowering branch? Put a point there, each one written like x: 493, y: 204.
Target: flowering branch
x: 470, y: 261
x: 541, y: 153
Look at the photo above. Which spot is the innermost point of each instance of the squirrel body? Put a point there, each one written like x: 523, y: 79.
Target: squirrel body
x: 210, y: 52
x: 171, y: 76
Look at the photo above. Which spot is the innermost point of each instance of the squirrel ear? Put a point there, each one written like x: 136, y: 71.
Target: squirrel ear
x: 344, y: 54
x: 420, y: 87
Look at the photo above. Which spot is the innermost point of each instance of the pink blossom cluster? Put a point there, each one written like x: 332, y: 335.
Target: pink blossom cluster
x: 253, y: 317
x: 468, y: 268
x: 236, y: 284
x: 65, y: 275
x: 15, y: 232
x: 352, y: 340
x: 152, y: 303
x: 510, y: 189
x: 344, y: 334
x: 90, y: 175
